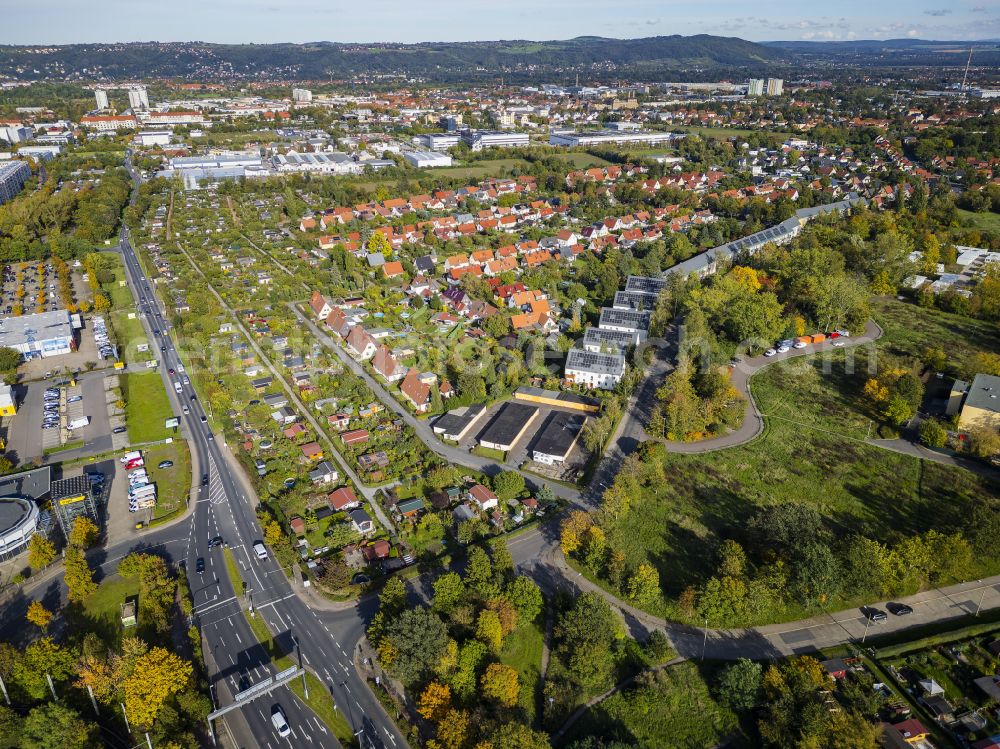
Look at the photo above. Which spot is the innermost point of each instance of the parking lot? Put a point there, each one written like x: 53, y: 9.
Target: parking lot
x: 22, y: 284
x: 47, y: 410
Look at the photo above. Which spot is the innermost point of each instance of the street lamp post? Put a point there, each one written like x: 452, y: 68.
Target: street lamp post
x: 982, y: 596
x: 868, y: 621
x: 704, y: 642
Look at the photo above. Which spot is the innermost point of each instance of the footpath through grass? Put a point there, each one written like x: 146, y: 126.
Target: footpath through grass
x: 812, y: 451
x: 146, y: 406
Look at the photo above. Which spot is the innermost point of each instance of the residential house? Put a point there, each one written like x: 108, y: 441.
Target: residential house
x: 361, y: 521
x: 416, y: 390
x: 343, y: 499
x: 323, y: 473
x: 312, y: 451
x: 385, y: 364
x: 483, y: 498
x: 360, y: 345
x: 355, y: 437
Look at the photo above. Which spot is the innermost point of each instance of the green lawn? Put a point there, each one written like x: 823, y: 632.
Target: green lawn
x: 130, y: 334
x: 987, y: 221
x: 146, y: 407
x: 173, y: 485
x: 121, y: 296
x: 910, y: 329
x: 669, y: 709
x: 103, y: 608
x: 582, y: 160
x: 522, y: 651
x: 479, y: 169
x: 811, y: 451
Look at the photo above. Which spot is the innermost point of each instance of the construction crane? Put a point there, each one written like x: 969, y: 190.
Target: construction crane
x: 965, y: 77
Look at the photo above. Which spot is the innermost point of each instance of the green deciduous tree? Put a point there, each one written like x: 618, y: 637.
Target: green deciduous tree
x: 55, y: 726
x: 418, y: 637
x: 738, y: 685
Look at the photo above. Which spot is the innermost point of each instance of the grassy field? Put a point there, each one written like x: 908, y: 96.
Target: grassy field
x: 582, y: 160
x: 910, y: 329
x: 103, y: 609
x: 480, y: 169
x: 130, y: 334
x: 987, y: 221
x: 146, y: 406
x: 121, y: 296
x: 811, y: 451
x: 659, y: 712
x: 728, y: 132
x: 523, y: 651
x: 172, y: 484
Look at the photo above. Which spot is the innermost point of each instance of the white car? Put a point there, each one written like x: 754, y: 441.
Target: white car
x: 782, y: 349
x: 845, y: 333
x: 799, y: 344
x: 838, y: 343
x: 279, y: 722
x: 770, y: 352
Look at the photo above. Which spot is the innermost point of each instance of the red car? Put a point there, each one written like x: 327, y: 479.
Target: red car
x: 831, y: 336
x: 132, y: 464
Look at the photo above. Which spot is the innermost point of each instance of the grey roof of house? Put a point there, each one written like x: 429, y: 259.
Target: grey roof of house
x: 984, y: 393
x: 645, y: 284
x: 454, y: 422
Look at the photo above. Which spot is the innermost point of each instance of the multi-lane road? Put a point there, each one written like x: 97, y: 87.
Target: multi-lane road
x: 225, y: 509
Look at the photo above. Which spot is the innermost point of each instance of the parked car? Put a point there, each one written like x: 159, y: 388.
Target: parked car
x: 770, y: 352
x: 119, y: 430
x: 874, y: 615
x: 165, y: 464
x: 75, y: 399
x: 899, y: 609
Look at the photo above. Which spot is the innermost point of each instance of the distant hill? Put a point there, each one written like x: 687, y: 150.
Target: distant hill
x: 882, y: 52
x: 593, y: 56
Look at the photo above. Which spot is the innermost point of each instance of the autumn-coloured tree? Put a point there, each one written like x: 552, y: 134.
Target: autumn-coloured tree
x: 644, y: 587
x: 41, y: 552
x: 79, y: 577
x: 506, y: 613
x: 39, y: 615
x: 435, y: 701
x: 499, y: 682
x: 489, y: 629
x: 572, y: 530
x: 272, y: 533
x: 453, y: 730
x: 156, y: 675
x: 84, y: 532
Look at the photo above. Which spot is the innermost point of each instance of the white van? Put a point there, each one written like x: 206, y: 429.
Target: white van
x: 130, y: 456
x: 260, y: 550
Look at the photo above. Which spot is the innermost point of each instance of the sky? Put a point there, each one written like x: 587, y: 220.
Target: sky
x: 261, y: 21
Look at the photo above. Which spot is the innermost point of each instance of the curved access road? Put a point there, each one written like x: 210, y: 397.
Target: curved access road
x: 753, y: 419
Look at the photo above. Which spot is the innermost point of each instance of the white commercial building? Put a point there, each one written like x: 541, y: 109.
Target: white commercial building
x: 101, y: 97
x: 427, y: 159
x: 439, y: 141
x: 302, y: 95
x: 153, y: 138
x: 110, y: 123
x: 775, y: 86
x: 480, y: 139
x: 584, y: 138
x: 755, y: 87
x: 317, y: 163
x: 41, y: 335
x: 13, y: 175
